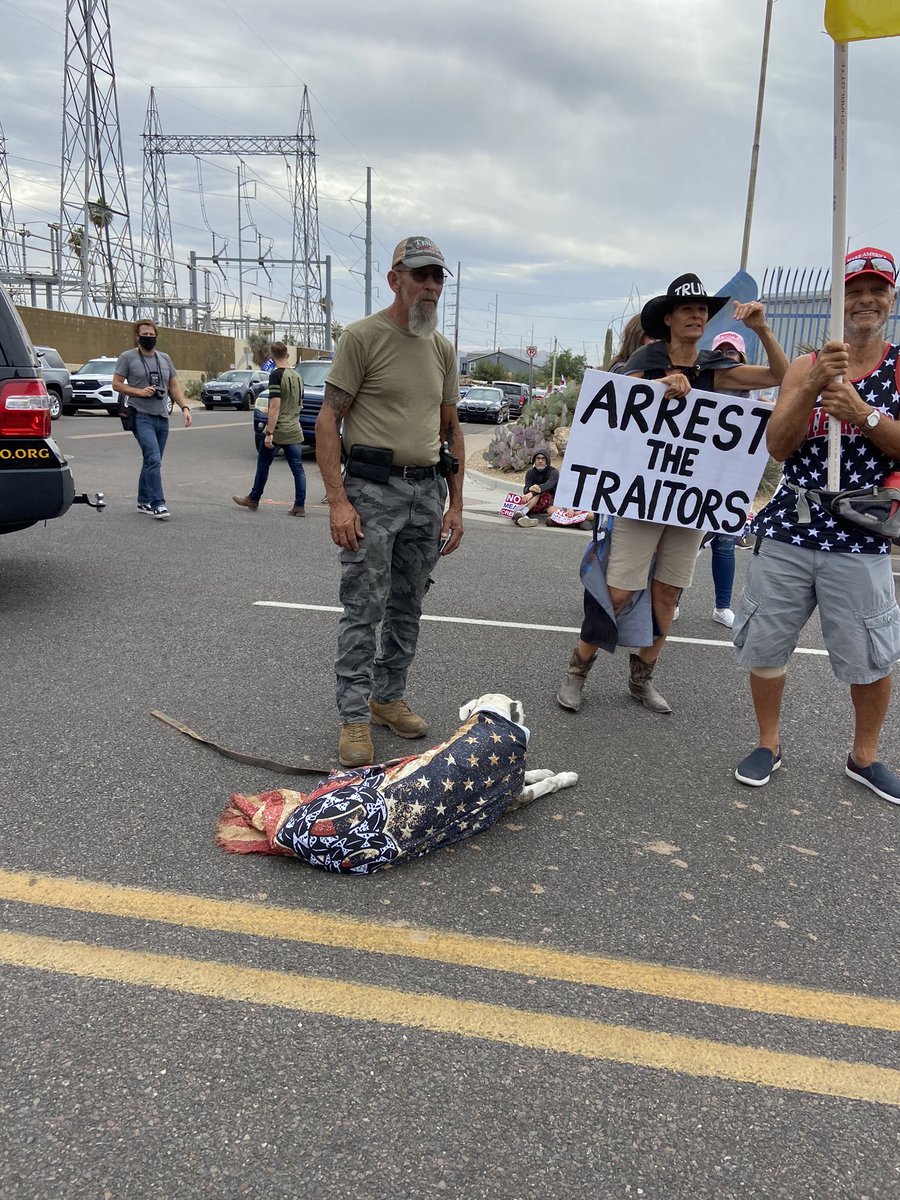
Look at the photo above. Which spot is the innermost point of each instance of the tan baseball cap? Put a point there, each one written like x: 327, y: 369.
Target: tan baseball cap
x: 418, y: 252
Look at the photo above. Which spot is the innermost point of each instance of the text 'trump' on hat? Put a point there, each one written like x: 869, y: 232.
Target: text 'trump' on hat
x: 418, y: 252
x: 686, y: 289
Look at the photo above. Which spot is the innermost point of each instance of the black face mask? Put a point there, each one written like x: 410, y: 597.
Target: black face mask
x: 146, y: 342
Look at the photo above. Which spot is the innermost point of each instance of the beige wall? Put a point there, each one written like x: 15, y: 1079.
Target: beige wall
x: 78, y: 338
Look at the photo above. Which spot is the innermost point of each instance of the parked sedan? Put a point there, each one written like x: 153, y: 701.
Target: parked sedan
x: 237, y: 389
x: 484, y: 404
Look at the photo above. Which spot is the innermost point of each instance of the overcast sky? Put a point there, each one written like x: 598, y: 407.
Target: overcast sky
x: 573, y: 155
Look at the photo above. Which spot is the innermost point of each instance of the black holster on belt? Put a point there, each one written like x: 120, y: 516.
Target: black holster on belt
x: 370, y: 462
x: 448, y: 464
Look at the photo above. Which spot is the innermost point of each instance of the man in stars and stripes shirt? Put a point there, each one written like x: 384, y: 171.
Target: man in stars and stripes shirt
x: 807, y: 558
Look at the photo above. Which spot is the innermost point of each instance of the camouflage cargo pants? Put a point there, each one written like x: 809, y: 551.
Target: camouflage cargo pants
x: 384, y: 581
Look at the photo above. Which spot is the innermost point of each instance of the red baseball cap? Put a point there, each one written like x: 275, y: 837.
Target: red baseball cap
x: 870, y: 258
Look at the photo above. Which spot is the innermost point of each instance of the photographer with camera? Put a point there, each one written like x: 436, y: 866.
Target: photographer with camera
x: 390, y: 401
x: 145, y: 377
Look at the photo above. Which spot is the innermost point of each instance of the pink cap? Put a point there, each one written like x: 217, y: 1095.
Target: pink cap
x: 730, y: 339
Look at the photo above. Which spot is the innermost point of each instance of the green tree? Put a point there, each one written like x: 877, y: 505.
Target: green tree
x: 485, y: 369
x: 572, y: 365
x: 259, y: 344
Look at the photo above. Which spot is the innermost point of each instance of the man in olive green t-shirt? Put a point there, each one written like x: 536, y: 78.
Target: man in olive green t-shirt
x: 390, y: 401
x: 282, y: 431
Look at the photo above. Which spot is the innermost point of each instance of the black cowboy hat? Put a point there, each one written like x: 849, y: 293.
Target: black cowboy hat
x: 686, y: 289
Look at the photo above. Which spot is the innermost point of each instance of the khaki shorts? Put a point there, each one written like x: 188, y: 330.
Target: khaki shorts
x: 633, y: 546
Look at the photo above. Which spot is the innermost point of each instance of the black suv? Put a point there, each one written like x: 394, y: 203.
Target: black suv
x: 517, y: 395
x: 56, y: 377
x: 35, y: 479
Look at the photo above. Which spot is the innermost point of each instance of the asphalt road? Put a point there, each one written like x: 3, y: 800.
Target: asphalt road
x: 659, y: 983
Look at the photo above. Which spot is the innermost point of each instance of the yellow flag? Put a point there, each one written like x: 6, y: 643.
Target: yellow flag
x: 855, y: 20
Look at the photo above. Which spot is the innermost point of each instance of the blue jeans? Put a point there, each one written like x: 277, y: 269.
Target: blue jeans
x: 294, y: 455
x: 722, y: 546
x: 152, y: 433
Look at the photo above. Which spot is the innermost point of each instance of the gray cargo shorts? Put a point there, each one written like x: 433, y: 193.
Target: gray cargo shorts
x: 857, y: 608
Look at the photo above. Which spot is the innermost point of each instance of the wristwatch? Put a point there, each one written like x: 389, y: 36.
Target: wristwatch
x: 872, y: 419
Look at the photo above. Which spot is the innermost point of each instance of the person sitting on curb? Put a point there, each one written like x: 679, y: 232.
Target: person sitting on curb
x: 541, y: 481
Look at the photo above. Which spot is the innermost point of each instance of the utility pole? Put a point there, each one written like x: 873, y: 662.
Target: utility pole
x: 456, y: 315
x: 496, y: 315
x: 239, y: 251
x: 754, y: 156
x: 553, y: 368
x: 368, y: 244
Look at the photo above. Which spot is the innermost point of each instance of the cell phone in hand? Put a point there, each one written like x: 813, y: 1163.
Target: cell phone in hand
x: 444, y: 540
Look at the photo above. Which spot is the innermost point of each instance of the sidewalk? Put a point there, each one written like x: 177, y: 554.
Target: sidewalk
x: 484, y: 494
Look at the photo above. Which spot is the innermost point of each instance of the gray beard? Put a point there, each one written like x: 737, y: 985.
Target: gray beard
x: 422, y: 324
x: 875, y: 334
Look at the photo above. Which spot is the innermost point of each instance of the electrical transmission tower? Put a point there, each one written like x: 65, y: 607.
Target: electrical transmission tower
x: 96, y: 252
x: 11, y: 266
x: 158, y: 284
x: 306, y: 316
x: 304, y: 311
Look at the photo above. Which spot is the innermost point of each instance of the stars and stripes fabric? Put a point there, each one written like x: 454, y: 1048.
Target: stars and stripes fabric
x: 862, y: 465
x: 858, y: 20
x: 361, y: 821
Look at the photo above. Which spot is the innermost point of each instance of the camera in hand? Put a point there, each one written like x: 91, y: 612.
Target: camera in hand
x: 159, y: 391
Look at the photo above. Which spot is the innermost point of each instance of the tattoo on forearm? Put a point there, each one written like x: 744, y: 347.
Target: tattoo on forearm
x: 339, y: 402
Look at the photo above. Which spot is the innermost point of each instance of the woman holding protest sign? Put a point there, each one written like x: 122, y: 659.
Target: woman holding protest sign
x: 678, y: 320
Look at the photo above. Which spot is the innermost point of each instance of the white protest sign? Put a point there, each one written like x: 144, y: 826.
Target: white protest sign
x: 694, y: 461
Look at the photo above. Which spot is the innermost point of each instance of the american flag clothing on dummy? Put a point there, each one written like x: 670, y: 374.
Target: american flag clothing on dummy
x: 361, y: 821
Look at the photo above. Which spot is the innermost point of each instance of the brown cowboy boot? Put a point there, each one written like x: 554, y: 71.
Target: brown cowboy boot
x: 246, y: 502
x: 642, y: 689
x: 569, y: 693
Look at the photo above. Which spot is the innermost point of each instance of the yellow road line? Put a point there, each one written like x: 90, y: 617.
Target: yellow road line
x: 460, y: 1018
x: 493, y: 954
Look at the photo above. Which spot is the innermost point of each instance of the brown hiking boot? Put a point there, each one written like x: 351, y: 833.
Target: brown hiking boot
x: 642, y: 689
x: 399, y: 717
x: 569, y: 693
x: 246, y: 502
x: 297, y: 511
x: 355, y: 747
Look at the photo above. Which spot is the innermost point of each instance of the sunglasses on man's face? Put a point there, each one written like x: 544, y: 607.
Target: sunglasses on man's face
x: 422, y: 274
x: 875, y: 263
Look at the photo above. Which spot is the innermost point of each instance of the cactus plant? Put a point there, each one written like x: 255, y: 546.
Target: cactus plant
x: 513, y: 446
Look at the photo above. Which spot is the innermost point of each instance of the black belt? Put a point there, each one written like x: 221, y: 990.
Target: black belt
x: 416, y: 472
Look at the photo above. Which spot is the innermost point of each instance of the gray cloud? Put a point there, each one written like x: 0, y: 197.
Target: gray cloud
x: 572, y: 156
